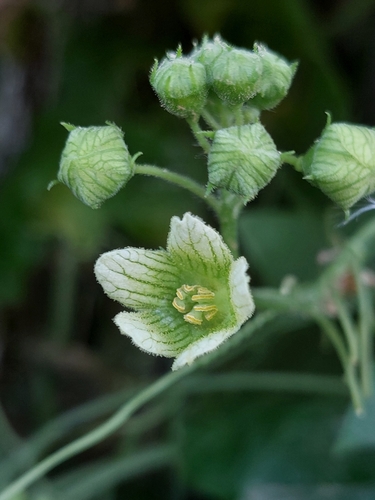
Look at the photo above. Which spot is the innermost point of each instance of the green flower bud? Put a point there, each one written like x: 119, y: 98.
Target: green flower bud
x: 208, y: 52
x: 180, y: 84
x: 242, y: 160
x: 277, y: 76
x: 342, y: 163
x: 95, y: 163
x: 236, y: 75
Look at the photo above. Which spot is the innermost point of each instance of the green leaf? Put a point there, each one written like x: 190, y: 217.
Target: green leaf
x: 278, y: 243
x: 357, y: 432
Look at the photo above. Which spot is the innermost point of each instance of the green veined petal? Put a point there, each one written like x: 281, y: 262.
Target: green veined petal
x: 137, y: 278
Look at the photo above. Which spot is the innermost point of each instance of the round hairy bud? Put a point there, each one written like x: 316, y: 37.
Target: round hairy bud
x: 95, y: 163
x: 242, y: 159
x: 277, y: 76
x: 207, y: 52
x: 236, y: 75
x: 342, y: 163
x: 180, y: 84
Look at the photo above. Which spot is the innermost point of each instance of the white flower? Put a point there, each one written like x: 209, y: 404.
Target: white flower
x: 186, y: 300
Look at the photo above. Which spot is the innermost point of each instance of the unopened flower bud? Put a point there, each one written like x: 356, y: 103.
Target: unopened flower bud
x: 180, y: 83
x: 242, y: 159
x: 342, y: 163
x: 95, y: 163
x: 207, y: 52
x: 236, y: 75
x: 277, y: 76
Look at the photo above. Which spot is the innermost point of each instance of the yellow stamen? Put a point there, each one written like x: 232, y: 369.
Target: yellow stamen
x: 196, y: 313
x: 180, y: 308
x: 205, y: 308
x: 210, y: 315
x: 192, y: 319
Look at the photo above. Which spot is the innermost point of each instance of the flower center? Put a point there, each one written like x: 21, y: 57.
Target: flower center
x: 196, y: 303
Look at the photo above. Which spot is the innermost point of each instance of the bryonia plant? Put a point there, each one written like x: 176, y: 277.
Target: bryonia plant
x: 187, y: 300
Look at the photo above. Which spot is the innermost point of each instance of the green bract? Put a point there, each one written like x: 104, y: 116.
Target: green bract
x: 236, y: 75
x: 186, y: 300
x: 95, y: 163
x: 277, y: 76
x: 242, y: 159
x: 342, y: 163
x: 180, y: 83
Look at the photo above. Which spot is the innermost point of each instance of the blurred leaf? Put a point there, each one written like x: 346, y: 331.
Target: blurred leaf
x: 278, y: 243
x: 309, y: 492
x: 357, y: 432
x: 232, y: 441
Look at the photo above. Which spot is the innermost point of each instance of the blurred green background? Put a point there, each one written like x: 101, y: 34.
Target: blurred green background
x: 85, y: 62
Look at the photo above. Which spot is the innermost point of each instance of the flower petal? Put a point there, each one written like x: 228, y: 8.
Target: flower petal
x: 197, y: 246
x: 241, y: 298
x: 202, y: 346
x: 243, y: 307
x: 155, y: 332
x: 138, y: 278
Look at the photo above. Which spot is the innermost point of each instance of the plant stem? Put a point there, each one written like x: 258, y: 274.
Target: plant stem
x: 290, y: 158
x: 197, y: 132
x: 333, y: 334
x: 366, y: 321
x: 237, y: 111
x: 179, y: 180
x: 210, y: 120
x: 95, y: 436
x: 348, y: 328
x: 228, y: 216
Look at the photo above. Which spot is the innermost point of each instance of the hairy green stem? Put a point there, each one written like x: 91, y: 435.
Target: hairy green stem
x: 291, y: 159
x: 95, y: 436
x: 230, y: 210
x: 237, y: 111
x: 123, y: 414
x: 210, y: 120
x: 179, y: 180
x: 197, y: 132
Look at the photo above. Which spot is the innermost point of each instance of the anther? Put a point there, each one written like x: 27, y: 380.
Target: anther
x: 196, y: 313
x: 180, y: 307
x: 190, y: 318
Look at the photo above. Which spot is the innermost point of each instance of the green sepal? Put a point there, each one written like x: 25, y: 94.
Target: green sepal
x: 342, y: 163
x: 95, y: 163
x: 68, y: 126
x: 243, y: 160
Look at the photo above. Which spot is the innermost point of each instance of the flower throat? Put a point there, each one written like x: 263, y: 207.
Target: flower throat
x: 196, y: 303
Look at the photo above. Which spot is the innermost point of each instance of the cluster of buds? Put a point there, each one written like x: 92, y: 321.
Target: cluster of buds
x: 259, y: 78
x: 221, y: 82
x: 217, y: 77
x: 220, y: 78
